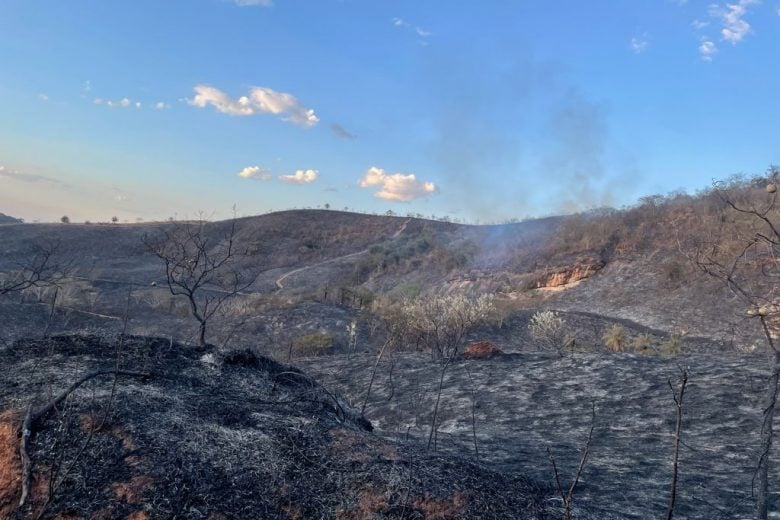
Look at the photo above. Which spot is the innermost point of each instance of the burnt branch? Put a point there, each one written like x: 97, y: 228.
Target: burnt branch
x: 40, y: 268
x: 678, y: 397
x: 34, y: 417
x: 744, y: 254
x: 568, y: 496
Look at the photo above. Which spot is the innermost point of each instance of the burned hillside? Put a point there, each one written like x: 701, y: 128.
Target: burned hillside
x: 212, y: 436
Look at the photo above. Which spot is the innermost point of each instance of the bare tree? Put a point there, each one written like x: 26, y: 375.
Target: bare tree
x: 397, y: 325
x: 39, y: 268
x: 203, y: 269
x: 745, y: 255
x: 678, y: 401
x: 441, y: 324
x: 568, y: 495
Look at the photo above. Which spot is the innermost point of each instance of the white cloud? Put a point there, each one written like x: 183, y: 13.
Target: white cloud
x: 397, y: 187
x: 160, y: 105
x: 403, y: 24
x: 735, y: 27
x: 257, y: 173
x: 43, y: 97
x: 707, y: 49
x: 249, y: 3
x: 122, y: 103
x: 300, y: 177
x: 261, y: 100
x: 699, y: 24
x: 639, y: 44
x: 7, y: 173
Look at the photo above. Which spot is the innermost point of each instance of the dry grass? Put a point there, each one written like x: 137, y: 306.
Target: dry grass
x: 138, y: 515
x: 10, y: 463
x: 314, y: 344
x: 355, y: 447
x: 90, y: 422
x: 132, y: 491
x: 240, y: 425
x: 441, y: 509
x: 370, y: 504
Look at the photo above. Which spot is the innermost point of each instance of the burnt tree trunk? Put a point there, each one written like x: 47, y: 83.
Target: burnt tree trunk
x: 762, y: 471
x: 678, y: 401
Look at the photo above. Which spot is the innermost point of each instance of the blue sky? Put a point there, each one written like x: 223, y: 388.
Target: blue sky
x: 478, y: 110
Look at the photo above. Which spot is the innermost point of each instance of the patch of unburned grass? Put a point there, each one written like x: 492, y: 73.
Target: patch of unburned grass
x: 10, y: 462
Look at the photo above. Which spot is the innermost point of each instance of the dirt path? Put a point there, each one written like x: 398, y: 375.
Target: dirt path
x: 402, y: 228
x: 280, y: 285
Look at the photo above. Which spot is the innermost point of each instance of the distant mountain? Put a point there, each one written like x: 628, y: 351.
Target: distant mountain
x: 7, y: 219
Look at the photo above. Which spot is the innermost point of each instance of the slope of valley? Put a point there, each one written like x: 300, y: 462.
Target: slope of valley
x: 305, y: 404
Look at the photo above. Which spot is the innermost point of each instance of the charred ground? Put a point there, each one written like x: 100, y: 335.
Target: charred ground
x: 232, y: 433
x: 221, y: 436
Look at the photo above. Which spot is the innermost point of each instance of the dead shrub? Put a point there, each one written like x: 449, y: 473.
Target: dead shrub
x: 643, y: 343
x: 615, y: 338
x: 315, y: 344
x: 673, y: 346
x: 549, y: 331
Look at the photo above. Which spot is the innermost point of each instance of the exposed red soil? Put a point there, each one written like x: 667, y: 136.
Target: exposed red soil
x: 10, y: 462
x: 481, y: 350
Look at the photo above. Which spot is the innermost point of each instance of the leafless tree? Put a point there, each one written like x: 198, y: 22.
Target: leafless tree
x: 441, y: 324
x: 200, y: 267
x: 40, y: 267
x: 397, y: 325
x: 745, y: 255
x: 678, y: 397
x: 568, y: 495
x: 473, y: 389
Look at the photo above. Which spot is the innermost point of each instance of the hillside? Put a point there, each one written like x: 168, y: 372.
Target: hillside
x: 220, y: 437
x: 517, y: 405
x: 273, y: 415
x: 618, y: 264
x: 7, y: 219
